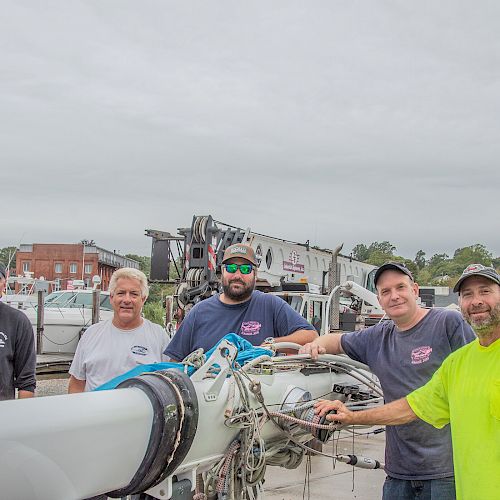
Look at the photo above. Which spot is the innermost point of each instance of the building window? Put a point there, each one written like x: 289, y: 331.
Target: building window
x: 57, y: 285
x: 88, y: 268
x: 73, y: 267
x: 26, y: 266
x: 58, y: 267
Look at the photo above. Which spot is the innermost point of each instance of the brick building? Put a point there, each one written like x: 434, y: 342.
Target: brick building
x: 65, y: 263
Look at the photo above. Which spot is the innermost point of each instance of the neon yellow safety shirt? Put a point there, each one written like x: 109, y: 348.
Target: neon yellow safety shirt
x: 465, y: 392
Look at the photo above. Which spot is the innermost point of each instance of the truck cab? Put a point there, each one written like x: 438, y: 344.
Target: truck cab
x: 314, y: 308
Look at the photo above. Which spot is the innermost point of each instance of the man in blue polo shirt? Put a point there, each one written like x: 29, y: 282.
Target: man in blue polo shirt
x: 240, y: 309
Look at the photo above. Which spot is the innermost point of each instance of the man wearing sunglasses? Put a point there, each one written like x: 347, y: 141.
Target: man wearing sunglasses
x: 254, y: 315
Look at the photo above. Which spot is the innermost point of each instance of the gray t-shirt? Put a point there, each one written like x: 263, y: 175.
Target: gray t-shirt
x: 404, y: 361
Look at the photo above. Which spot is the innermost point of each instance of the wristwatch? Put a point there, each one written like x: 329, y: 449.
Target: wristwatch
x: 269, y: 340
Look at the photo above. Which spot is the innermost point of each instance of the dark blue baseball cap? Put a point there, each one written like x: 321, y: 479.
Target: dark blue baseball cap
x: 393, y: 266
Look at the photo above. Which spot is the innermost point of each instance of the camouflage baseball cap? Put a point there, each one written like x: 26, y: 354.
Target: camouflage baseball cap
x: 477, y: 270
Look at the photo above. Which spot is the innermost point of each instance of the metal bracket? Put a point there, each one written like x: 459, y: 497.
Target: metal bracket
x: 165, y: 489
x: 221, y: 358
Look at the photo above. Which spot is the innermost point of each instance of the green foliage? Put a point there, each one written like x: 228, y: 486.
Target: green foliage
x: 438, y: 258
x: 420, y: 259
x: 439, y: 270
x: 144, y: 262
x: 157, y: 291
x: 173, y: 269
x: 377, y: 253
x: 383, y: 247
x: 446, y: 271
x: 154, y: 311
x: 377, y: 257
x: 8, y: 254
x: 423, y: 276
x: 475, y: 253
x: 145, y: 265
x: 410, y: 264
x: 360, y: 252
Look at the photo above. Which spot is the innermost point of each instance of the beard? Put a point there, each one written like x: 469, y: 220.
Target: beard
x: 485, y: 326
x: 239, y: 294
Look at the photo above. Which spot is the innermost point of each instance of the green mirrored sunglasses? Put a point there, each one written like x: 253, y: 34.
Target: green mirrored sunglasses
x: 244, y: 268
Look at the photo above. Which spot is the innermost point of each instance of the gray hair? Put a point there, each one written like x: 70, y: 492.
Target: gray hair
x: 130, y: 273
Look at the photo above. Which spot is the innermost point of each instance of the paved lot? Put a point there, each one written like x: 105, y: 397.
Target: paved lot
x: 51, y: 386
x: 329, y: 481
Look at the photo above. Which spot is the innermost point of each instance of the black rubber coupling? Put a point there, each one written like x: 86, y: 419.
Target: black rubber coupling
x: 172, y: 431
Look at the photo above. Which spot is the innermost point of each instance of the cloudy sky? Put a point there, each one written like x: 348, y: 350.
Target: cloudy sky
x: 333, y: 121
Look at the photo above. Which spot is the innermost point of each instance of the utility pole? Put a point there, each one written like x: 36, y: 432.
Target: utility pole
x: 85, y: 243
x: 83, y: 257
x: 39, y: 322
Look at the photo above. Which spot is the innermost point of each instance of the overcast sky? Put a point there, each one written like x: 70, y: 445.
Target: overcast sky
x: 333, y: 121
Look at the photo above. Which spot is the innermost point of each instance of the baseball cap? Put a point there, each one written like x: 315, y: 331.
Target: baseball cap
x: 477, y: 270
x: 242, y: 251
x: 3, y: 272
x: 394, y: 266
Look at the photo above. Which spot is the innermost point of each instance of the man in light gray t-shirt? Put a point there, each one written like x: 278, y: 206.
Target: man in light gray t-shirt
x: 106, y: 351
x: 113, y: 347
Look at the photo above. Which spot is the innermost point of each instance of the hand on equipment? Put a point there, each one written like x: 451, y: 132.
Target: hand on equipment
x: 335, y: 411
x: 268, y: 343
x: 313, y: 349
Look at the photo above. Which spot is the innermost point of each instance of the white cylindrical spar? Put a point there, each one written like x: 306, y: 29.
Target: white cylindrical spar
x: 73, y: 446
x: 137, y: 437
x: 78, y: 446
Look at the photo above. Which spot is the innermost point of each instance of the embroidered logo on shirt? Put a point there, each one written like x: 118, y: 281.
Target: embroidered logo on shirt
x: 421, y: 354
x: 139, y: 350
x: 3, y: 338
x: 250, y: 328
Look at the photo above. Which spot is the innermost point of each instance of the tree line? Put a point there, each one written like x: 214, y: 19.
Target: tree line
x: 438, y: 270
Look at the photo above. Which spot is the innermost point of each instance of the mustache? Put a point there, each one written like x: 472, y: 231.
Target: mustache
x: 479, y: 309
x: 237, y: 281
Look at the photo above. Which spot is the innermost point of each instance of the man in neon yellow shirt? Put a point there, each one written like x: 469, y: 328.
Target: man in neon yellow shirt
x: 464, y: 392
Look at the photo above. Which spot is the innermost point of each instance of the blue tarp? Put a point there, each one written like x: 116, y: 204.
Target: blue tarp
x: 246, y: 352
